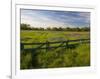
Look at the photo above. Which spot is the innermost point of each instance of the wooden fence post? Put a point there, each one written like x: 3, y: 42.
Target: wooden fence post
x: 47, y: 46
x: 22, y: 46
x: 66, y: 44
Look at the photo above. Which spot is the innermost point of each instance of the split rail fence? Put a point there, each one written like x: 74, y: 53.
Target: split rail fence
x: 49, y: 45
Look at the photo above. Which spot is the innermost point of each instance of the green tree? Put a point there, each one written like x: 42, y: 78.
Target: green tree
x: 25, y: 26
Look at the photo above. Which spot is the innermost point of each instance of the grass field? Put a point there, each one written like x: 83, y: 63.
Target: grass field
x: 42, y: 36
x: 54, y: 58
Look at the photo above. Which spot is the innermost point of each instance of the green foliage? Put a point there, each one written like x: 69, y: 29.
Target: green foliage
x: 77, y: 29
x: 25, y: 27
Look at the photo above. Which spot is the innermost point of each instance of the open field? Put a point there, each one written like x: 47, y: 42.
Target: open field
x: 42, y: 36
x: 54, y: 58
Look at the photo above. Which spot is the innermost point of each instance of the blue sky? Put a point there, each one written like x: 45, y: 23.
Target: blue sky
x: 50, y: 18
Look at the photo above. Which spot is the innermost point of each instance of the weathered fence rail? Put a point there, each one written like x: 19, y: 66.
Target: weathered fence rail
x: 48, y: 45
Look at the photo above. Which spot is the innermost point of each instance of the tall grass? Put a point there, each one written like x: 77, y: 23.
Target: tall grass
x: 60, y: 57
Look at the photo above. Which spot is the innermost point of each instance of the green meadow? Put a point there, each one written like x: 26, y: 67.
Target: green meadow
x: 42, y: 36
x: 54, y: 58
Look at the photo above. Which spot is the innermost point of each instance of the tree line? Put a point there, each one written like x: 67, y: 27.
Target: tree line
x: 28, y: 27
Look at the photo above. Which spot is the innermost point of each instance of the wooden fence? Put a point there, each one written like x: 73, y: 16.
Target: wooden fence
x: 49, y: 45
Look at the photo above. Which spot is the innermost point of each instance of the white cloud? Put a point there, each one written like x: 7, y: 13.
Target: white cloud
x: 50, y: 19
x: 40, y: 22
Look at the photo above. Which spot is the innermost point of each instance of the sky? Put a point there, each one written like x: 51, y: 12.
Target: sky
x: 52, y: 18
